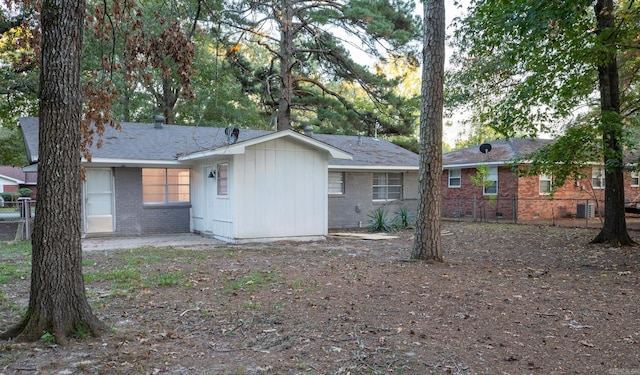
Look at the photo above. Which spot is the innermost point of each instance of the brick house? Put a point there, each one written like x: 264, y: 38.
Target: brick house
x: 14, y: 178
x: 243, y: 186
x: 508, y: 196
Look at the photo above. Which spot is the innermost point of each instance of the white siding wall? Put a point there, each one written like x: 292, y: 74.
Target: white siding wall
x: 281, y: 191
x: 198, y: 198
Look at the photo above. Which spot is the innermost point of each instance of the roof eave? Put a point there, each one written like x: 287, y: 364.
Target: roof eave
x: 375, y: 167
x: 240, y: 147
x: 109, y: 162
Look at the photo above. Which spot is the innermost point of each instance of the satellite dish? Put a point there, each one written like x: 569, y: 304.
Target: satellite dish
x: 232, y: 134
x: 485, y: 148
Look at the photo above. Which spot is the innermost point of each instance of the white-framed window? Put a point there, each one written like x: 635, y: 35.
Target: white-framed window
x: 491, y: 182
x: 336, y: 183
x: 222, y: 182
x: 455, y: 178
x: 387, y: 186
x: 635, y: 178
x: 597, y: 177
x: 165, y: 186
x: 545, y: 184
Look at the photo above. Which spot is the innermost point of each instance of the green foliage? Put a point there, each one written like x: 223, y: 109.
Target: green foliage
x: 25, y: 192
x: 579, y: 147
x: 379, y: 221
x: 48, y: 338
x: 524, y: 65
x: 254, y: 280
x: 404, y: 219
x: 9, y: 197
x: 331, y: 91
x: 18, y: 94
x: 409, y: 143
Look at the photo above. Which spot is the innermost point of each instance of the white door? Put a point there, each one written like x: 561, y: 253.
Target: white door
x: 98, y: 201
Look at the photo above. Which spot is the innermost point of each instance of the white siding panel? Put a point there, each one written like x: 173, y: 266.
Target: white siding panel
x: 198, y: 198
x: 283, y: 192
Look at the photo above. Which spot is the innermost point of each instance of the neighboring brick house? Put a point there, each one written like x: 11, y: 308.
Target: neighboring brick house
x: 519, y: 198
x: 14, y: 178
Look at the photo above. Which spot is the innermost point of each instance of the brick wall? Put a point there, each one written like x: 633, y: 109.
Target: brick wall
x: 468, y: 200
x: 352, y: 209
x: 523, y: 195
x: 133, y: 218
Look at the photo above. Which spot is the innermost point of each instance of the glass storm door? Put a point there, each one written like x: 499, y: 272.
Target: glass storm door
x: 98, y: 201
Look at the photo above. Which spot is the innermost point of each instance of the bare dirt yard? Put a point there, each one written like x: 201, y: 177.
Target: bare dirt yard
x: 510, y: 299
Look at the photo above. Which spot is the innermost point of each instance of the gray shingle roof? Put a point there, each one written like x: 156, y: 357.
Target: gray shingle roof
x: 502, y: 150
x: 139, y: 141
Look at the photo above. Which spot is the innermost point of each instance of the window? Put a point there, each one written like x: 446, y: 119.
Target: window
x: 455, y: 178
x: 336, y: 183
x: 387, y: 186
x: 545, y: 184
x: 491, y: 182
x: 597, y: 177
x: 635, y: 178
x: 223, y: 179
x: 162, y: 186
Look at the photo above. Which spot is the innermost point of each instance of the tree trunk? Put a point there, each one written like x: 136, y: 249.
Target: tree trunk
x: 286, y: 62
x: 614, y: 230
x: 427, y: 242
x: 57, y: 303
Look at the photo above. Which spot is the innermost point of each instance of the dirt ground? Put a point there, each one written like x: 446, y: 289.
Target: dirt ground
x: 510, y: 299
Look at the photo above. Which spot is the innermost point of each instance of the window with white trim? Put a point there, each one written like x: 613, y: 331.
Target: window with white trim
x: 165, y: 186
x: 635, y: 178
x: 491, y: 182
x: 336, y: 183
x: 222, y: 183
x: 455, y: 178
x: 545, y: 184
x: 597, y: 177
x: 387, y: 186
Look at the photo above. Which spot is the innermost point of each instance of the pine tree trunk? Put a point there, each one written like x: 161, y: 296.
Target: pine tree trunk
x: 286, y: 62
x: 58, y: 303
x: 614, y: 230
x: 427, y: 244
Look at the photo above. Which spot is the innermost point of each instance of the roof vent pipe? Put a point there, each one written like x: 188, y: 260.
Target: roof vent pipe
x: 158, y: 120
x: 359, y: 138
x: 308, y: 131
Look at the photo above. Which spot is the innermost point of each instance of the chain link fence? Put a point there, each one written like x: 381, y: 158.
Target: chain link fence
x: 16, y: 219
x: 547, y: 211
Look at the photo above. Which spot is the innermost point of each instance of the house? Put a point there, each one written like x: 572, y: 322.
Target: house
x: 505, y: 195
x: 14, y: 178
x: 236, y: 185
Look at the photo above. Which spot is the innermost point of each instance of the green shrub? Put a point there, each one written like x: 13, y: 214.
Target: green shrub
x: 379, y: 222
x: 10, y: 197
x: 25, y: 192
x: 404, y: 219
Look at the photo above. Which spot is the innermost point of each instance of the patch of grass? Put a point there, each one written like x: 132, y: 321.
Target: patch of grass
x: 306, y: 285
x: 120, y: 275
x: 251, y: 305
x: 5, y: 358
x: 254, y: 280
x: 15, y: 260
x: 165, y: 279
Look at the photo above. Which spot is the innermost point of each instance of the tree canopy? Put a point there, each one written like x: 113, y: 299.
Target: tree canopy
x: 310, y: 76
